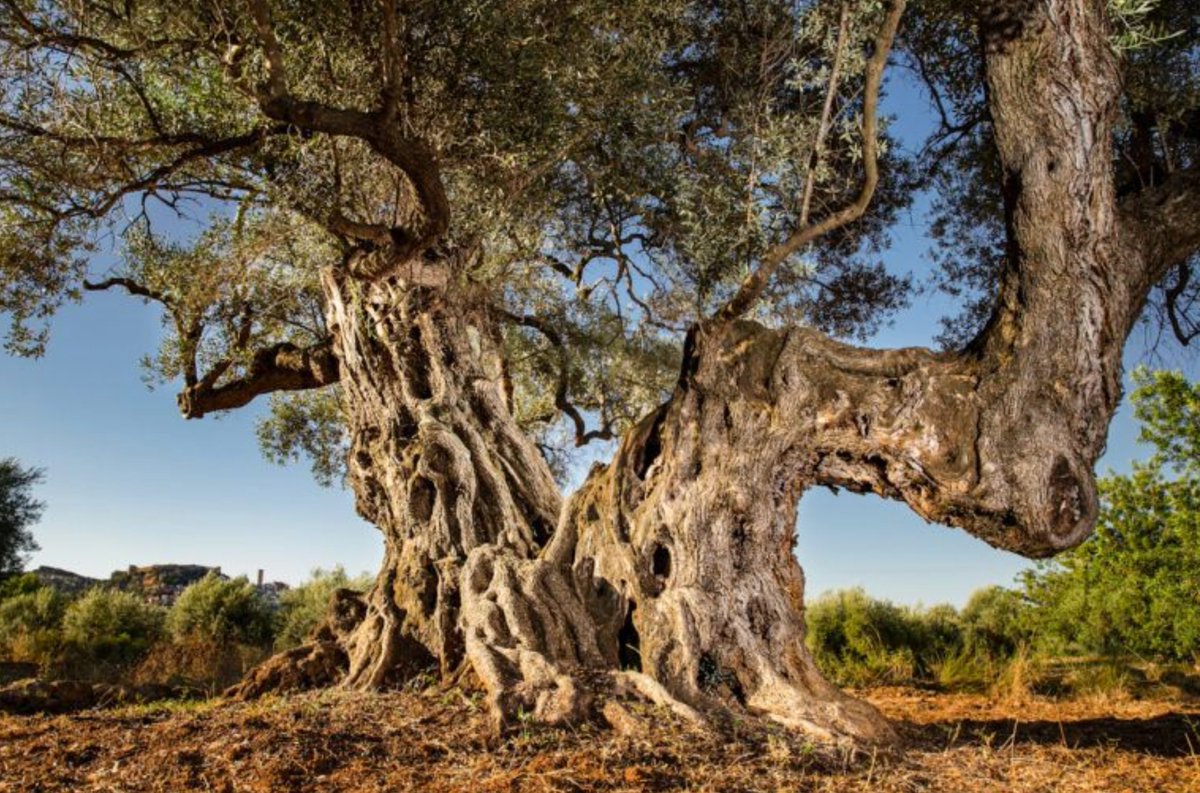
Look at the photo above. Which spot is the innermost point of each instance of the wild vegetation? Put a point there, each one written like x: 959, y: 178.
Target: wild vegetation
x: 207, y: 640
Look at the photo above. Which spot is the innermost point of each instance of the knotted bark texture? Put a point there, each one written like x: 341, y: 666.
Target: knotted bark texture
x: 436, y: 462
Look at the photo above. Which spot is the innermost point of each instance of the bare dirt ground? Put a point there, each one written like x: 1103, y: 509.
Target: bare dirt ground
x: 436, y: 741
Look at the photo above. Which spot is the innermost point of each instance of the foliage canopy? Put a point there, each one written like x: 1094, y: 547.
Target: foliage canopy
x: 19, y: 510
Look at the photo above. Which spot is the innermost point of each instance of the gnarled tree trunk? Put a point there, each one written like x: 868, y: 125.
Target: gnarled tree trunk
x: 671, y: 573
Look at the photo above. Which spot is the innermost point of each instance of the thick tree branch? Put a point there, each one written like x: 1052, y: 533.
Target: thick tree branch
x: 412, y: 155
x: 1001, y: 438
x: 281, y: 367
x: 1165, y: 217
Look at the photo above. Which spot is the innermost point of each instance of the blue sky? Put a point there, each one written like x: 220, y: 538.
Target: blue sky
x: 130, y: 482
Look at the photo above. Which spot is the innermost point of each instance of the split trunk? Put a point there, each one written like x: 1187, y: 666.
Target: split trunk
x: 670, y: 574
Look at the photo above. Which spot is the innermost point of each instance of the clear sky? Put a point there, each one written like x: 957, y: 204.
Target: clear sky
x: 130, y: 482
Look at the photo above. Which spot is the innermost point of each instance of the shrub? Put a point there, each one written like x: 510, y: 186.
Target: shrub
x: 858, y: 640
x: 995, y: 623
x: 110, y: 628
x: 31, y: 626
x: 938, y: 631
x: 222, y: 611
x: 23, y: 584
x: 303, y: 608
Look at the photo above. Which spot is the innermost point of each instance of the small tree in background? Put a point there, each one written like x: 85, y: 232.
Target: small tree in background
x: 18, y: 511
x: 107, y: 628
x: 221, y: 610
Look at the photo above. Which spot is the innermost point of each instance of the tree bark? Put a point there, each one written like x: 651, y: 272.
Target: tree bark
x: 436, y: 462
x: 670, y: 575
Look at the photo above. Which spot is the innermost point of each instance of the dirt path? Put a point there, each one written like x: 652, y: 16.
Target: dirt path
x: 439, y: 742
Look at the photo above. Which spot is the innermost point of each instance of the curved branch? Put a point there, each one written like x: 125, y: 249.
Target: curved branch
x: 1173, y: 293
x: 132, y: 287
x: 753, y: 286
x: 583, y: 436
x: 281, y: 367
x: 415, y: 157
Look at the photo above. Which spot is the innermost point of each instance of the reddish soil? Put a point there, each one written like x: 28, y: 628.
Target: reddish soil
x: 439, y: 742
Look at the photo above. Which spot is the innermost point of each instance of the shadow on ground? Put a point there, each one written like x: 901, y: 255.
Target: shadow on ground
x: 1170, y: 735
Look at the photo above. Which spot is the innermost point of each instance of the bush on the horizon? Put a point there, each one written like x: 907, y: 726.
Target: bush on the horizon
x: 860, y: 640
x: 223, y: 611
x: 31, y: 627
x: 18, y: 584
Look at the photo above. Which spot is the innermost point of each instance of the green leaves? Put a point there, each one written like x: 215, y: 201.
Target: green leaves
x: 18, y: 511
x: 1135, y: 28
x: 221, y: 610
x: 1132, y: 587
x: 617, y: 168
x: 307, y: 425
x: 1168, y: 406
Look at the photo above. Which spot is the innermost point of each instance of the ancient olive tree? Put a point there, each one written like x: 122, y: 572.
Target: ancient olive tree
x: 450, y: 238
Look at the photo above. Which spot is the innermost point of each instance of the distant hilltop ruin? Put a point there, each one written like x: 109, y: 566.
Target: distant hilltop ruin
x: 161, y: 584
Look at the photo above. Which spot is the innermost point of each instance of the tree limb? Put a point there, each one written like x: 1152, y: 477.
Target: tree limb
x: 583, y: 436
x: 1000, y: 438
x: 412, y: 155
x: 1166, y: 217
x: 133, y: 288
x: 753, y: 286
x: 281, y: 367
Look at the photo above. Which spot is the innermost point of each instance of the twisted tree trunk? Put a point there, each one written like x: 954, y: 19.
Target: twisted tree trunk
x: 436, y: 462
x: 670, y: 575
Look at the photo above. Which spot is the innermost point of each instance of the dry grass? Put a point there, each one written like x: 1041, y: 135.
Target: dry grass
x: 439, y: 742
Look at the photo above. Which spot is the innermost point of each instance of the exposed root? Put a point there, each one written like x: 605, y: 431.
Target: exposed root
x: 536, y: 632
x: 635, y: 684
x: 313, y: 665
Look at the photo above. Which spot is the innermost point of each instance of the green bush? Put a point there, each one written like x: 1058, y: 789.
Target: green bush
x: 107, y: 628
x: 23, y: 584
x: 222, y: 611
x: 31, y: 626
x: 995, y: 623
x: 303, y: 607
x: 859, y: 640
